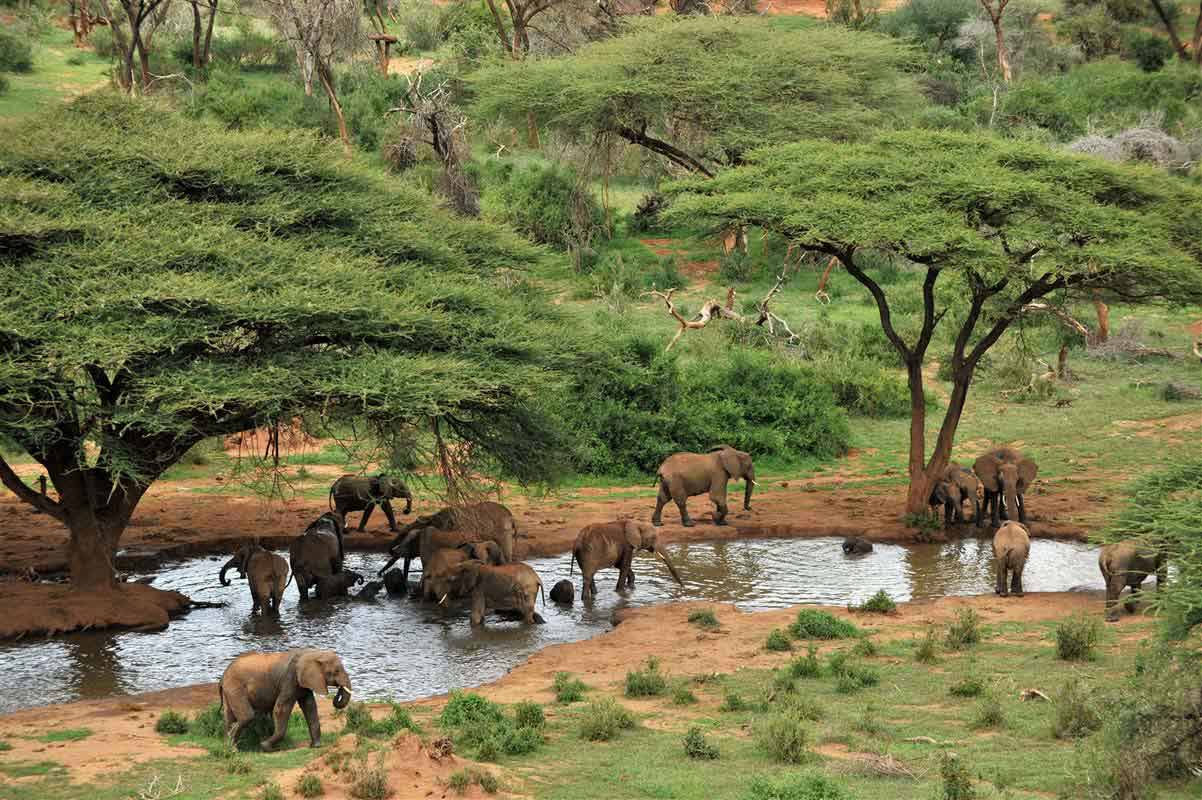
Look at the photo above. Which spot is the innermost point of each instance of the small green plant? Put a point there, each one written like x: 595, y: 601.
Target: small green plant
x: 704, y: 618
x: 359, y: 720
x: 66, y: 735
x: 272, y: 791
x: 649, y: 682
x: 926, y: 649
x: 171, y: 722
x: 487, y: 781
x: 869, y: 721
x: 836, y: 663
x: 806, y: 666
x: 696, y: 745
x: 733, y: 702
x: 5, y: 746
x: 604, y: 719
x: 925, y: 523
x: 529, y: 715
x: 795, y: 787
x: 568, y: 689
x: 989, y: 712
x: 370, y: 783
x: 804, y: 707
x: 1075, y: 715
x: 811, y: 624
x: 957, y: 783
x: 466, y: 709
x: 778, y: 642
x: 237, y: 763
x: 309, y: 785
x: 1076, y: 638
x: 208, y: 722
x: 459, y: 780
x: 785, y: 738
x: 856, y: 677
x: 865, y: 648
x: 682, y: 695
x: 879, y: 603
x: 783, y: 682
x: 970, y: 686
x: 965, y: 631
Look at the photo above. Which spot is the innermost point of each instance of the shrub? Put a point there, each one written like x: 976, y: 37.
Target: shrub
x: 3, y: 85
x: 459, y: 780
x: 171, y: 722
x: 836, y: 663
x: 855, y: 677
x: 865, y: 648
x: 359, y: 720
x: 682, y: 695
x: 926, y: 649
x: 869, y: 721
x: 529, y: 715
x: 704, y: 618
x: 568, y: 689
x: 970, y: 686
x: 1075, y: 714
x: 208, y: 722
x: 965, y: 631
x: 990, y: 713
x: 480, y: 724
x: 370, y: 783
x: 778, y: 641
x: 272, y: 791
x: 733, y: 701
x: 646, y: 683
x: 309, y: 785
x: 804, y: 707
x: 1076, y: 637
x: 646, y: 213
x: 879, y: 603
x: 16, y: 54
x: 468, y: 709
x: 237, y: 763
x: 795, y: 787
x: 5, y: 746
x: 604, y: 719
x: 366, y: 96
x: 398, y: 148
x: 863, y: 387
x: 487, y: 781
x: 806, y: 666
x: 696, y: 746
x: 240, y: 104
x: 784, y: 737
x: 546, y: 203
x: 811, y: 624
x: 1151, y: 51
x: 957, y: 783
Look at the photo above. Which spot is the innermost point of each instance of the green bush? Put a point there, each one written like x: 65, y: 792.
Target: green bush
x: 171, y: 722
x: 366, y: 96
x: 970, y: 686
x: 795, y: 787
x: 863, y: 388
x: 1150, y: 50
x: 359, y: 720
x: 682, y: 695
x: 459, y: 781
x: 1095, y: 32
x: 879, y: 603
x: 965, y: 631
x: 208, y: 722
x: 240, y: 104
x: 568, y: 689
x: 420, y: 24
x: 529, y: 715
x: 1076, y: 638
x: 696, y: 746
x: 811, y: 624
x: 957, y: 780
x: 272, y: 791
x: 704, y: 618
x: 309, y: 785
x: 804, y: 707
x: 806, y: 666
x: 784, y: 737
x: 778, y: 641
x: 854, y: 677
x: 865, y: 648
x: 480, y: 724
x: 648, y: 682
x: 604, y: 719
x: 990, y: 713
x: 468, y: 709
x: 16, y: 53
x: 546, y: 203
x: 933, y: 23
x: 370, y: 783
x: 5, y: 746
x: 733, y: 701
x: 926, y: 649
x: 1075, y: 714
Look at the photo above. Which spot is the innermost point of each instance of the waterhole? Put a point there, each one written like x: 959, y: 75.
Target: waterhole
x: 404, y: 649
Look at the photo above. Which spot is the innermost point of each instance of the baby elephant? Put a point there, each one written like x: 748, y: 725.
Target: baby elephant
x: 563, y: 592
x: 1011, y: 546
x: 1127, y: 563
x: 266, y: 572
x: 338, y: 584
x: 272, y: 683
x: 856, y: 545
x: 370, y: 590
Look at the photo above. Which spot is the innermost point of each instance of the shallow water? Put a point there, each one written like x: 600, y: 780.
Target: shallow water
x: 405, y: 649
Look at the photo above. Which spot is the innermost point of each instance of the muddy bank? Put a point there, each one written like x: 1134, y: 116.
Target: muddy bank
x: 48, y: 608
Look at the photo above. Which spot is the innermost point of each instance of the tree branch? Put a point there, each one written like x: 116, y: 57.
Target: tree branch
x: 847, y: 258
x: 13, y: 482
x: 673, y: 154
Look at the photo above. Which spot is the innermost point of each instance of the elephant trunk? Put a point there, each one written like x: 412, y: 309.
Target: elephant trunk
x: 1011, y: 502
x: 343, y: 698
x: 659, y: 551
x: 233, y: 562
x: 749, y: 480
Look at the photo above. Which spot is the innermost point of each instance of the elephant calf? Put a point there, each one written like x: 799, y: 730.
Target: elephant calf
x: 337, y: 585
x: 272, y: 683
x: 1127, y: 563
x: 443, y: 560
x: 603, y: 545
x: 954, y: 486
x: 1011, y: 546
x: 563, y: 593
x: 266, y: 572
x: 361, y: 493
x: 856, y: 545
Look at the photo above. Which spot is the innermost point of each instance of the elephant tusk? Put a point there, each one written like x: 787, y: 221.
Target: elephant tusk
x: 755, y: 483
x: 443, y: 600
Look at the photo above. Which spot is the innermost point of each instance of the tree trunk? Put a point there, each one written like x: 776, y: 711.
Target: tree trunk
x: 1062, y: 363
x: 1103, y: 311
x: 327, y: 83
x: 197, y: 58
x: 1171, y: 29
x: 1197, y: 42
x: 92, y: 550
x: 209, y: 36
x: 920, y: 486
x: 1003, y: 58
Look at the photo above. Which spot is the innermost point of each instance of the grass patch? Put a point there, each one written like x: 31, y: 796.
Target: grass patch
x: 965, y: 631
x: 811, y: 624
x: 369, y: 782
x: 865, y: 648
x: 604, y: 719
x: 481, y: 725
x: 806, y: 666
x: 29, y: 769
x: 1075, y: 716
x: 1076, y: 638
x: 568, y: 689
x: 795, y: 787
x: 5, y: 746
x: 171, y: 722
x: 784, y: 737
x: 66, y: 735
x: 733, y: 701
x: 698, y: 747
x: 271, y: 791
x: 461, y: 780
x: 309, y: 785
x: 682, y: 695
x: 926, y: 649
x: 527, y: 714
x: 956, y: 778
x: 990, y: 713
x: 359, y: 720
x: 970, y: 686
x: 648, y: 682
x: 879, y: 603
x: 778, y: 641
x: 704, y: 618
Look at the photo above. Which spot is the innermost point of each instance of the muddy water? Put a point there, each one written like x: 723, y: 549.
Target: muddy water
x: 404, y: 649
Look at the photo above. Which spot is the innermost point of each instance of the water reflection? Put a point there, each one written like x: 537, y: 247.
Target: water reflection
x: 400, y: 648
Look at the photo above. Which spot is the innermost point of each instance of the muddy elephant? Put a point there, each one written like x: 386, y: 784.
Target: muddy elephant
x: 1128, y: 563
x: 954, y: 486
x: 563, y: 593
x: 603, y: 545
x: 317, y: 553
x: 856, y: 545
x: 362, y: 493
x: 685, y: 475
x: 506, y: 587
x: 272, y: 683
x: 445, y: 559
x: 395, y: 583
x: 1011, y: 546
x: 337, y: 585
x: 486, y: 521
x: 369, y: 590
x: 1005, y: 475
x: 266, y: 572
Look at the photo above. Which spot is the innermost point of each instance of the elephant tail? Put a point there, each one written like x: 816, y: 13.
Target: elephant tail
x: 572, y: 561
x: 331, y: 498
x: 544, y: 594
x: 220, y: 697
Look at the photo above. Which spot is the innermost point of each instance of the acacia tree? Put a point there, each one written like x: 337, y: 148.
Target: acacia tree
x: 995, y: 10
x: 1000, y: 224
x: 161, y: 290
x: 132, y: 38
x: 202, y: 44
x: 1168, y: 15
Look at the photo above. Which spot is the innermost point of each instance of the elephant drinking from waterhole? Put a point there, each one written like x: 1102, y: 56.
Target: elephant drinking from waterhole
x: 1011, y: 547
x: 362, y: 493
x: 501, y: 588
x: 1005, y: 474
x: 266, y: 572
x: 686, y: 475
x: 317, y: 553
x: 486, y: 521
x: 612, y: 544
x: 954, y: 486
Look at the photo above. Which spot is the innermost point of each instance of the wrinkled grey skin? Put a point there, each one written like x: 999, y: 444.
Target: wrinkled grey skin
x: 603, y: 545
x: 1129, y: 564
x: 954, y: 487
x: 1005, y: 475
x: 856, y: 545
x: 337, y: 585
x: 1011, y: 547
x: 686, y: 475
x: 563, y: 592
x: 486, y: 521
x: 266, y: 572
x: 504, y: 587
x: 361, y: 493
x: 272, y: 683
x: 317, y: 552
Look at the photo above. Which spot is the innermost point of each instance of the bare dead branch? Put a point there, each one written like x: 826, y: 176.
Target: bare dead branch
x: 1198, y: 349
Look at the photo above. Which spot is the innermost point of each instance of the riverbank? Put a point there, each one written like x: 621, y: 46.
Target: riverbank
x: 120, y: 748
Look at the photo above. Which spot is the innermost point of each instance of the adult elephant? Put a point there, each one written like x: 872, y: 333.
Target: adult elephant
x: 362, y: 493
x: 443, y: 560
x: 1005, y: 475
x: 1128, y: 563
x: 317, y: 553
x: 686, y: 475
x: 266, y: 572
x: 1011, y: 547
x: 954, y: 486
x: 506, y: 587
x: 603, y: 545
x: 486, y: 521
x: 272, y: 683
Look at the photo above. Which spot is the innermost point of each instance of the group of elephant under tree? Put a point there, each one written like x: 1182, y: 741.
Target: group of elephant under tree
x: 1000, y: 477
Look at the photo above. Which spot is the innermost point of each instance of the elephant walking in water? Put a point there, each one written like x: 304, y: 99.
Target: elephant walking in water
x: 360, y: 493
x: 686, y: 475
x: 1005, y: 474
x: 486, y: 521
x: 266, y: 572
x: 612, y: 544
x: 507, y: 587
x: 317, y: 553
x: 1128, y: 563
x: 1011, y: 547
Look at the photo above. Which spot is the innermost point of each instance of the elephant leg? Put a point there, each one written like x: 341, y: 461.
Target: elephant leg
x: 387, y: 509
x: 1016, y: 580
x: 660, y: 501
x: 587, y: 589
x: 681, y: 503
x: 478, y: 608
x: 1000, y: 589
x: 308, y: 704
x: 624, y: 570
x: 976, y: 511
x: 405, y: 571
x: 718, y: 498
x: 949, y: 514
x: 366, y: 515
x: 255, y: 601
x: 997, y: 511
x: 1114, y: 587
x: 1132, y: 598
x: 302, y: 586
x: 238, y: 714
x: 1022, y: 509
x: 280, y: 714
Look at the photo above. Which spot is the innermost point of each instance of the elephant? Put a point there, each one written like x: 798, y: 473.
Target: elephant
x: 486, y: 521
x: 563, y: 593
x: 272, y: 683
x: 954, y: 486
x: 504, y: 587
x: 444, y: 559
x: 602, y: 545
x: 266, y: 572
x: 1011, y: 546
x: 1005, y: 475
x: 394, y: 583
x: 337, y: 585
x: 1128, y: 563
x: 369, y: 590
x: 685, y: 475
x: 361, y: 493
x: 317, y: 552
x: 856, y: 545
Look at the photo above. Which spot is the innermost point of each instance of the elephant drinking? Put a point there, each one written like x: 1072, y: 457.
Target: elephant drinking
x: 612, y: 544
x: 266, y: 572
x: 1005, y: 474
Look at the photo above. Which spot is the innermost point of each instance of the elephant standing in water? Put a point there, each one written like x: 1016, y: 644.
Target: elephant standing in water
x: 856, y: 545
x: 1005, y: 474
x: 337, y: 585
x: 951, y: 490
x: 612, y: 544
x: 317, y: 553
x: 486, y: 521
x: 501, y: 588
x: 272, y: 683
x: 1128, y: 563
x: 360, y: 493
x: 685, y: 475
x: 266, y: 572
x: 1011, y: 546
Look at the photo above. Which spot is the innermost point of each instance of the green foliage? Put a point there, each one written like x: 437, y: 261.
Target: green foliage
x: 359, y: 720
x: 5, y: 746
x: 704, y: 618
x: 546, y: 203
x: 933, y: 23
x: 879, y: 603
x: 969, y: 686
x: 733, y: 701
x: 527, y: 714
x: 370, y: 782
x: 480, y: 724
x: 4, y: 84
x: 863, y: 388
x: 1150, y: 51
x: 990, y: 713
x: 272, y: 791
x: 240, y: 103
x: 459, y: 781
x: 957, y: 780
x: 806, y: 666
x: 784, y: 737
x: 805, y: 707
x: 778, y: 641
x: 851, y: 677
x: 208, y: 722
x: 812, y: 624
x: 1076, y: 638
x: 171, y: 722
x: 309, y: 785
x: 1095, y: 32
x: 568, y: 689
x: 421, y: 24
x: 865, y: 648
x: 965, y: 631
x: 926, y: 649
x: 66, y: 735
x: 648, y: 682
x: 16, y: 53
x: 682, y: 695
x: 696, y: 746
x: 366, y: 96
x: 468, y: 709
x: 603, y: 719
x: 795, y: 787
x: 1075, y: 715
x: 243, y: 47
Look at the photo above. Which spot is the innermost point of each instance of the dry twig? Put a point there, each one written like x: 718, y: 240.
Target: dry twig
x: 712, y: 309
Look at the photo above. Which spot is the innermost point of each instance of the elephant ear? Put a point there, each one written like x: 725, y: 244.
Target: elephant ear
x: 1027, y: 470
x: 310, y: 673
x: 632, y: 534
x: 986, y: 468
x: 729, y: 457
